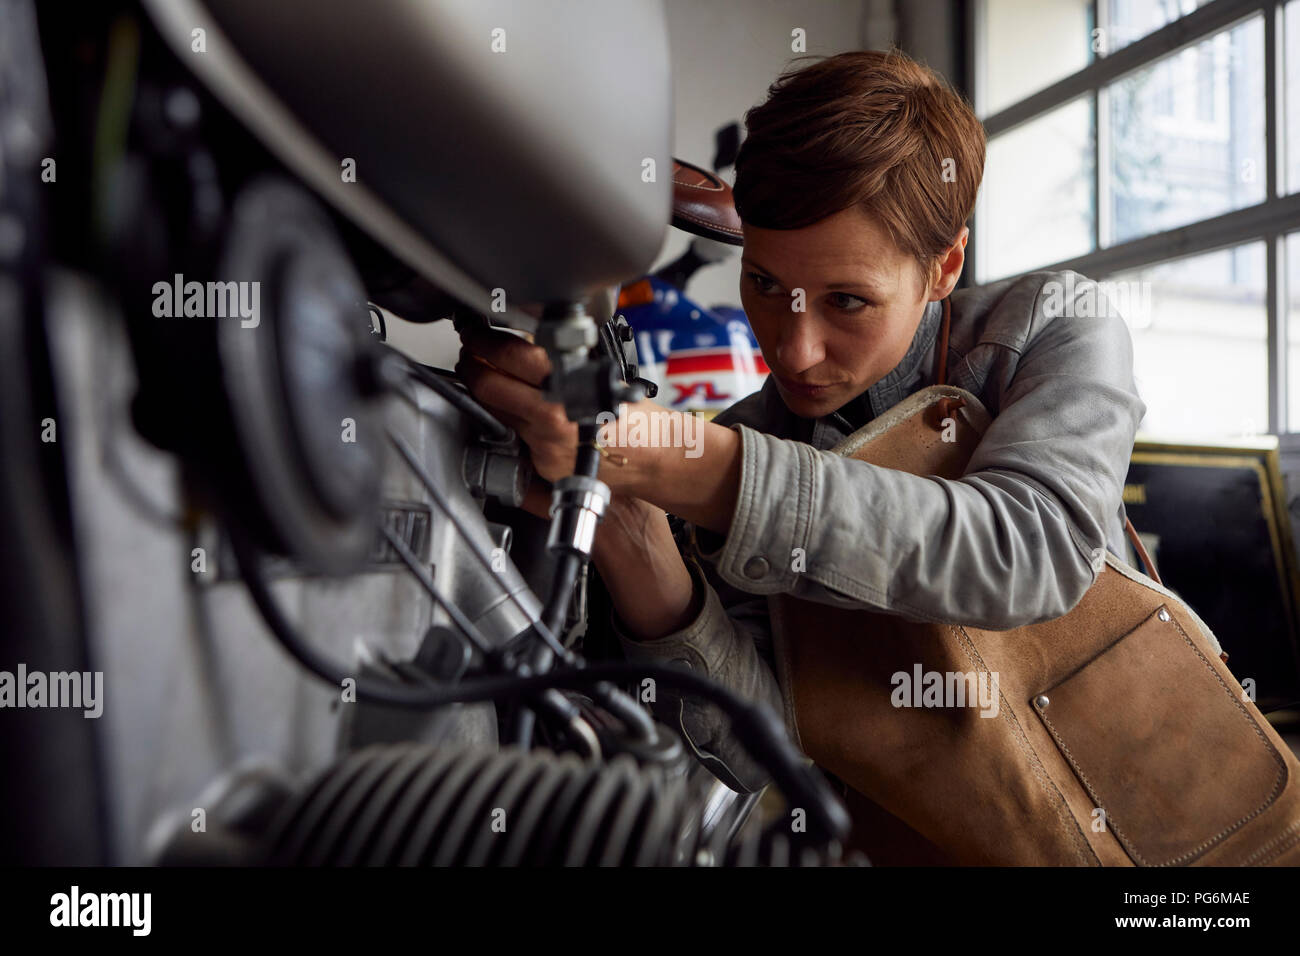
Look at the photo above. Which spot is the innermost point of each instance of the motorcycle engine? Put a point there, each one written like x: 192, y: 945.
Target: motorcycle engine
x: 327, y: 634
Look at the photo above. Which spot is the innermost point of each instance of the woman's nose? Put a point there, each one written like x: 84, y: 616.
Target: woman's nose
x: 801, y: 346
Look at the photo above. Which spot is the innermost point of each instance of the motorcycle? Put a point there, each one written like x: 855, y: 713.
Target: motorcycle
x: 326, y: 632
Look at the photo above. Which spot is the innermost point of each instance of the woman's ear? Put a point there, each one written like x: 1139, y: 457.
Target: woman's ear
x: 951, y: 261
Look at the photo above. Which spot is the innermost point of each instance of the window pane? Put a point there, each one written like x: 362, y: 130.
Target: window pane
x: 1200, y: 348
x: 1188, y: 134
x: 1293, y: 332
x: 1131, y: 20
x: 1292, y: 96
x: 1036, y: 205
x: 1030, y: 44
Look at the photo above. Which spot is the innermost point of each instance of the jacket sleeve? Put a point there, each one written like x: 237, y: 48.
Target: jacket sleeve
x: 1018, y: 539
x: 723, y: 643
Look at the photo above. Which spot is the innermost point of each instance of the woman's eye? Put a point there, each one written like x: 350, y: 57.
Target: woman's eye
x: 761, y: 283
x: 845, y: 302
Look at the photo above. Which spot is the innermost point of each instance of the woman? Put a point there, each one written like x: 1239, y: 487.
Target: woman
x: 854, y: 185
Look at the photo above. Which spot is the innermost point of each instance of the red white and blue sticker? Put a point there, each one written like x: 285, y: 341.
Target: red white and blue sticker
x: 704, y: 360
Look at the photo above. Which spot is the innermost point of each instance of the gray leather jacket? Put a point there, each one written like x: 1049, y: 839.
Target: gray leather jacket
x: 1016, y: 540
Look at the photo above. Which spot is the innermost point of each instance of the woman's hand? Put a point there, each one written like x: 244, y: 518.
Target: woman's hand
x: 634, y: 548
x: 696, y: 479
x: 505, y: 373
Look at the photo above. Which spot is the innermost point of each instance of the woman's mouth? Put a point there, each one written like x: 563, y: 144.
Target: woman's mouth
x: 802, y: 390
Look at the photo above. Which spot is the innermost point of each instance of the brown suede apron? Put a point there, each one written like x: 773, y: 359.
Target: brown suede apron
x: 1118, y: 737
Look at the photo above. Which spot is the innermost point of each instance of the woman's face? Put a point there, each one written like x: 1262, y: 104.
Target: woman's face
x: 862, y: 301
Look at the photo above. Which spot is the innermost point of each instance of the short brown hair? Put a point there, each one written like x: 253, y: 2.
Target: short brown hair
x: 867, y: 128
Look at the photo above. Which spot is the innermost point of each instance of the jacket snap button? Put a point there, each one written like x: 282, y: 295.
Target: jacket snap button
x: 1041, y: 701
x: 756, y: 567
x: 1163, y: 615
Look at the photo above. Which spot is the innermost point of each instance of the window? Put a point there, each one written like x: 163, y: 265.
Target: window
x: 1163, y: 156
x: 1131, y: 20
x: 1045, y: 39
x: 1187, y: 134
x: 1200, y: 319
x: 1292, y: 96
x: 1038, y: 191
x: 1293, y: 327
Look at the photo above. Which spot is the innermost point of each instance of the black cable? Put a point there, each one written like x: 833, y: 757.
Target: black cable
x: 587, y: 463
x: 552, y: 701
x: 627, y: 710
x: 483, y: 558
x: 610, y: 696
x: 522, y: 723
x: 413, y: 565
x: 757, y: 729
x: 383, y: 691
x: 492, y: 429
x: 568, y: 567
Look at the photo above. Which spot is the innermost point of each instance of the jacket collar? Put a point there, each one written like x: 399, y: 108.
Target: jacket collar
x: 900, y: 382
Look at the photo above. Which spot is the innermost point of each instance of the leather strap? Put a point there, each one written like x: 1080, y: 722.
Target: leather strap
x: 1142, y: 554
x: 946, y: 405
x: 949, y: 405
x: 941, y: 358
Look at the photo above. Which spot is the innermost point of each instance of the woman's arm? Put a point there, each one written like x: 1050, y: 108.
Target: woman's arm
x: 643, y: 571
x: 1019, y: 538
x: 668, y: 613
x: 723, y: 644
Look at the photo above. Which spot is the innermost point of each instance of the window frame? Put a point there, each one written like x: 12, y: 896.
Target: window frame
x: 1270, y: 220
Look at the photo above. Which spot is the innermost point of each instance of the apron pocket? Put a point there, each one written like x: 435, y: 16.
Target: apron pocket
x: 1162, y: 744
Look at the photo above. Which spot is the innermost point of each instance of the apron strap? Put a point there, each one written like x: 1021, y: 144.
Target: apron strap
x: 941, y: 356
x: 946, y: 405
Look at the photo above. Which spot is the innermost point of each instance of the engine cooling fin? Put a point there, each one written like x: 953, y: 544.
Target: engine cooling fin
x: 416, y: 805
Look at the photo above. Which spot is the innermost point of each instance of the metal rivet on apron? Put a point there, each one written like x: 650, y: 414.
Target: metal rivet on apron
x: 1041, y: 701
x: 756, y: 567
x: 1163, y: 615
